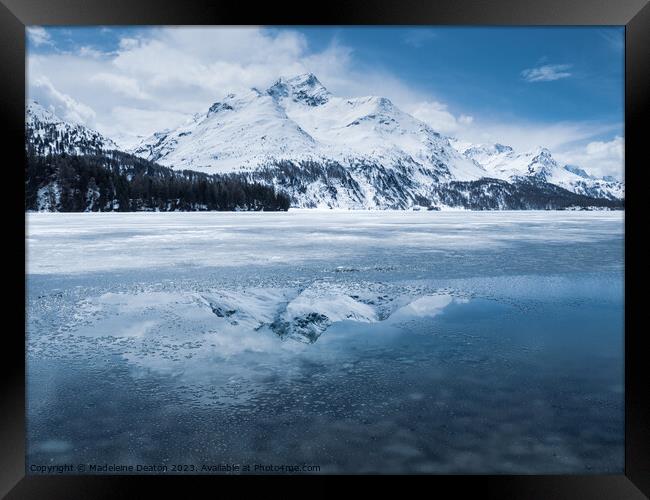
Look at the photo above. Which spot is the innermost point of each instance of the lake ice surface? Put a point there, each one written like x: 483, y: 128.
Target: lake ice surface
x: 444, y: 342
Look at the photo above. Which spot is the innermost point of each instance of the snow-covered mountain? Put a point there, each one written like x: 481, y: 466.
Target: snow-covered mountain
x: 503, y: 162
x: 361, y: 152
x: 357, y: 153
x: 298, y: 119
x: 327, y: 151
x: 47, y: 133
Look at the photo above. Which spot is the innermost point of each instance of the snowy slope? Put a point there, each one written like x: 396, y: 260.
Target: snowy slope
x: 503, y: 162
x: 298, y: 119
x: 370, y: 128
x: 356, y: 153
x: 329, y: 151
x: 238, y: 132
x: 48, y: 133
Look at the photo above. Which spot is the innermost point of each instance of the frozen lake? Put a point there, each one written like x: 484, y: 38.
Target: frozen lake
x: 444, y: 342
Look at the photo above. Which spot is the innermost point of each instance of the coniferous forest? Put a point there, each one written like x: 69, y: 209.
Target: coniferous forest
x: 117, y: 181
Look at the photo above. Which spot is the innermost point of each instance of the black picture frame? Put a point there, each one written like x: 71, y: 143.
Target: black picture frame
x: 633, y: 14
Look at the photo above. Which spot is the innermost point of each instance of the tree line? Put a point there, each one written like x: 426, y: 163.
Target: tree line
x: 117, y: 181
x: 496, y: 194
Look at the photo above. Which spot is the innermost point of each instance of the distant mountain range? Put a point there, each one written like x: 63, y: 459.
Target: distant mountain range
x: 321, y: 150
x: 502, y: 162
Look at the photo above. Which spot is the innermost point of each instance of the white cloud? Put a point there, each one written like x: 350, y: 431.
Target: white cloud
x: 124, y: 85
x: 38, y: 35
x: 547, y: 73
x: 87, y: 51
x: 176, y: 71
x: 211, y: 60
x: 598, y: 157
x: 64, y: 105
x: 437, y: 115
x: 129, y: 43
x: 571, y: 143
x: 144, y: 121
x: 523, y: 135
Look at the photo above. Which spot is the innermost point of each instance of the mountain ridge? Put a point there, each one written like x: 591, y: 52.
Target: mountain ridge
x: 327, y: 151
x: 503, y: 162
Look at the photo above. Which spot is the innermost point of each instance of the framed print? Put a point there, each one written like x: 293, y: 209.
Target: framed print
x: 379, y: 239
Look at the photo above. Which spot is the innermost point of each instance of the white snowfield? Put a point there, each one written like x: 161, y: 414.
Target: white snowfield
x: 64, y: 243
x: 298, y: 119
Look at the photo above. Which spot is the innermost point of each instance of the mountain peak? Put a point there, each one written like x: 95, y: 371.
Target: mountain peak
x: 304, y: 79
x: 501, y: 148
x: 304, y: 88
x: 38, y: 111
x: 577, y: 170
x: 70, y: 136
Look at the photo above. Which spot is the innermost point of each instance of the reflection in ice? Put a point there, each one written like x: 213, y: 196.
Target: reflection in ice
x: 430, y: 305
x: 301, y: 314
x: 401, y: 358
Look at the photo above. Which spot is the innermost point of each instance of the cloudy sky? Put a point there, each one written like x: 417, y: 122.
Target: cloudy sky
x: 562, y: 88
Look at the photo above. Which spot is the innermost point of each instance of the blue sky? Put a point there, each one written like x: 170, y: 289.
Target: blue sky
x: 478, y: 70
x: 526, y: 86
